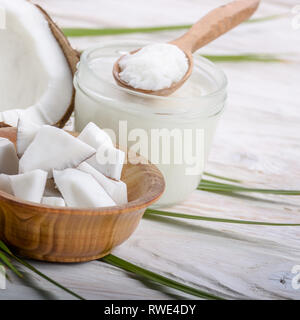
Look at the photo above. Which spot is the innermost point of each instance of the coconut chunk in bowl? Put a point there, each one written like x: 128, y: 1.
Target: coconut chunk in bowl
x: 67, y: 234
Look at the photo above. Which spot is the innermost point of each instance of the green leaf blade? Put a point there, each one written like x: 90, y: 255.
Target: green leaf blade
x: 213, y: 186
x: 39, y: 273
x: 5, y: 248
x: 245, y: 57
x: 150, y: 212
x: 221, y: 177
x: 130, y: 267
x: 92, y: 32
x: 9, y: 264
x: 84, y: 32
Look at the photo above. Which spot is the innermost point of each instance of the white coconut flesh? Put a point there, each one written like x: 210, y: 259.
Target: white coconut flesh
x: 29, y: 186
x: 5, y: 184
x: 9, y: 161
x: 48, y: 150
x: 54, y: 201
x: 26, y: 132
x: 108, y: 159
x: 35, y: 77
x: 80, y: 189
x: 117, y: 190
x: 94, y: 136
x: 53, y: 148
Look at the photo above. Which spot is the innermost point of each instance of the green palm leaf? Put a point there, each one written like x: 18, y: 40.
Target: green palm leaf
x: 9, y: 264
x: 214, y: 186
x: 5, y: 249
x: 85, y: 32
x: 150, y: 212
x: 246, y: 57
x: 125, y: 265
x: 221, y: 177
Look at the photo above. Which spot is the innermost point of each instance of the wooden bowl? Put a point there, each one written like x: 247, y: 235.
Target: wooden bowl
x: 72, y: 235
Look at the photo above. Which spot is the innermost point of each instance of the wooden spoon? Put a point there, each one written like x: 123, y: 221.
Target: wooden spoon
x: 210, y: 27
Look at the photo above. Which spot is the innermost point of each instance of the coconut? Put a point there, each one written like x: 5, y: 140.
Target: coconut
x: 54, y: 201
x: 94, y: 136
x: 117, y: 190
x: 37, y: 65
x: 5, y: 184
x: 26, y: 132
x: 80, y: 189
x: 54, y: 148
x: 9, y: 161
x: 29, y: 186
x: 11, y: 116
x: 108, y: 159
x: 53, y: 151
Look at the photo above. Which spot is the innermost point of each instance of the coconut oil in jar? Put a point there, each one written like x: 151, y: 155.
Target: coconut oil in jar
x: 175, y: 132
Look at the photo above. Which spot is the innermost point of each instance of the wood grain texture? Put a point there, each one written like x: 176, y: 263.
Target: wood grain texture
x: 73, y: 235
x: 258, y: 141
x: 216, y: 23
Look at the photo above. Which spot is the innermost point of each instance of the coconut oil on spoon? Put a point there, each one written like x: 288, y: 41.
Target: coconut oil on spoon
x: 161, y: 69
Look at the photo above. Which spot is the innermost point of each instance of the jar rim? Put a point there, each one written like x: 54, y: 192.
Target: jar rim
x: 87, y: 52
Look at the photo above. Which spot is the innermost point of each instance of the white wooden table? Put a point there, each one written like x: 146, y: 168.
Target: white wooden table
x: 258, y: 141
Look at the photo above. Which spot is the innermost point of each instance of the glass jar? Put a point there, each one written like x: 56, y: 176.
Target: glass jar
x: 177, y: 125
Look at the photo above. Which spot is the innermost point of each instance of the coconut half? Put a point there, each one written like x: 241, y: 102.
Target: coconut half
x: 37, y: 65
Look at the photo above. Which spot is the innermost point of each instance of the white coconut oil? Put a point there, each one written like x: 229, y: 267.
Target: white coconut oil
x: 169, y: 131
x: 154, y: 67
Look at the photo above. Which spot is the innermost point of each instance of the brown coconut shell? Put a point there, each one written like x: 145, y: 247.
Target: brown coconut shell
x: 72, y: 56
